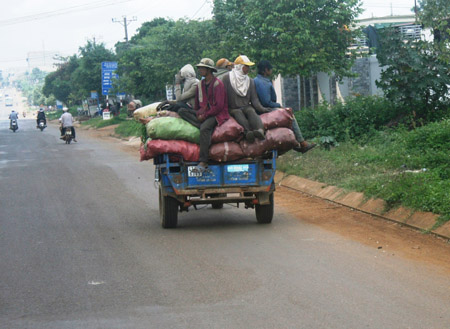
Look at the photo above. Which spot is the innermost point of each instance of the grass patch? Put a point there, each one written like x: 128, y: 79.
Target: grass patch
x: 125, y: 128
x: 409, y: 168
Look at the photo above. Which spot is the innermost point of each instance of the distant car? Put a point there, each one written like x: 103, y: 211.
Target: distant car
x: 8, y: 101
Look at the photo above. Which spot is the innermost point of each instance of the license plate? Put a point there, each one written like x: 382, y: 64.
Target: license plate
x: 237, y: 168
x: 194, y: 172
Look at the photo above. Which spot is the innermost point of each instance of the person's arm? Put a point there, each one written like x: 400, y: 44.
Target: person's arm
x: 197, y: 102
x: 219, y: 100
x: 264, y: 92
x: 187, y: 94
x: 255, y: 100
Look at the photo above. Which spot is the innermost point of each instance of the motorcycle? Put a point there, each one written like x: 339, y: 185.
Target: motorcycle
x: 14, y: 125
x: 68, y: 135
x: 41, y: 125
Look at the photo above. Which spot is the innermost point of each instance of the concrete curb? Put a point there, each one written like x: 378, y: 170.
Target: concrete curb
x: 423, y: 221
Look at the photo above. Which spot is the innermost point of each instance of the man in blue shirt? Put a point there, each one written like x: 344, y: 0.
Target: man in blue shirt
x: 268, y: 98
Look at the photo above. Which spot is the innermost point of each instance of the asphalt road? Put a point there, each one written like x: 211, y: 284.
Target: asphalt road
x: 82, y: 247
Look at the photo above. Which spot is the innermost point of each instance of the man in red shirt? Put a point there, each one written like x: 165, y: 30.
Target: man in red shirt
x: 211, y: 107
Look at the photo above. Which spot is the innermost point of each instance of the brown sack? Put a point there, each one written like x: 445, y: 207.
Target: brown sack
x: 227, y: 151
x: 282, y: 139
x: 229, y: 131
x: 255, y: 149
x: 278, y: 118
x: 189, y: 151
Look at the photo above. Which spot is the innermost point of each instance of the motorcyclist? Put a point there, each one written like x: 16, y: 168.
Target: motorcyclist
x: 13, y: 116
x: 41, y: 116
x: 67, y: 121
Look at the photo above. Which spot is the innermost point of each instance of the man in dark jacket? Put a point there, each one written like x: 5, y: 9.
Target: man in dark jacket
x: 210, y: 109
x: 268, y: 97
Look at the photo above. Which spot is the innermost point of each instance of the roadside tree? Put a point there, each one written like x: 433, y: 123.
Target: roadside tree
x: 299, y: 37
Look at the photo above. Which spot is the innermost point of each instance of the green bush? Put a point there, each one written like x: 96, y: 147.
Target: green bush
x: 358, y: 118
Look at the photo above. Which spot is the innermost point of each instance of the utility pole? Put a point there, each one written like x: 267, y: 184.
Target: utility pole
x: 125, y: 23
x: 415, y: 10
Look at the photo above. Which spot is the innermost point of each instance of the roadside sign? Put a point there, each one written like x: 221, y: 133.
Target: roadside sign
x: 108, y: 69
x: 121, y: 96
x: 106, y: 115
x: 94, y: 94
x: 170, y: 96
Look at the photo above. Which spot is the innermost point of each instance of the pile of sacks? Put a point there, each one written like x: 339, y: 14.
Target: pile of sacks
x: 168, y: 133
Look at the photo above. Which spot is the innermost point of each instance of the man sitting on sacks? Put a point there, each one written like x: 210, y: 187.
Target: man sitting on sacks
x: 268, y: 97
x: 185, y: 98
x: 210, y: 108
x: 223, y: 67
x: 243, y: 100
x: 132, y: 106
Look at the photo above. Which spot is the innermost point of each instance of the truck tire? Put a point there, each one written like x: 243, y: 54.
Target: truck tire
x: 168, y: 211
x: 218, y: 205
x: 264, y: 213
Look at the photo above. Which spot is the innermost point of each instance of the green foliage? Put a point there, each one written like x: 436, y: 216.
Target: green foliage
x: 302, y: 37
x: 160, y: 48
x: 59, y: 83
x: 415, y: 78
x: 408, y: 168
x: 88, y: 75
x: 327, y: 142
x: 358, y: 118
x: 435, y: 14
x: 130, y: 128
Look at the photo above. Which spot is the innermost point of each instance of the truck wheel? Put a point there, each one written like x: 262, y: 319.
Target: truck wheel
x: 168, y: 211
x: 264, y: 213
x: 218, y: 205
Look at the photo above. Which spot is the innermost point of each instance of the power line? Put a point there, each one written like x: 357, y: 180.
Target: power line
x: 68, y: 10
x: 204, y: 3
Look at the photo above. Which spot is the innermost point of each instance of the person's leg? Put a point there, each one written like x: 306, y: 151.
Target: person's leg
x: 206, y: 130
x: 240, y: 117
x: 73, y: 133
x: 190, y: 116
x: 303, y: 145
x: 297, y: 131
x: 255, y: 122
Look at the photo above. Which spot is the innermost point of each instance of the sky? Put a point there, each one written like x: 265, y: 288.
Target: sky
x: 28, y: 27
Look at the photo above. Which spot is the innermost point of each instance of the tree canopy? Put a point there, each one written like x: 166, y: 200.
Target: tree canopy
x: 297, y: 36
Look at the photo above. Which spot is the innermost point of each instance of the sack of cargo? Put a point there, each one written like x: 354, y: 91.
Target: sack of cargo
x: 227, y: 151
x: 255, y: 149
x: 146, y: 111
x: 152, y: 148
x: 169, y: 128
x: 282, y: 139
x: 160, y: 114
x: 278, y: 118
x: 165, y: 113
x: 229, y: 131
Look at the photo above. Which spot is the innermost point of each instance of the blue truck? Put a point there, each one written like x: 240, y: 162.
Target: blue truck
x: 182, y: 185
